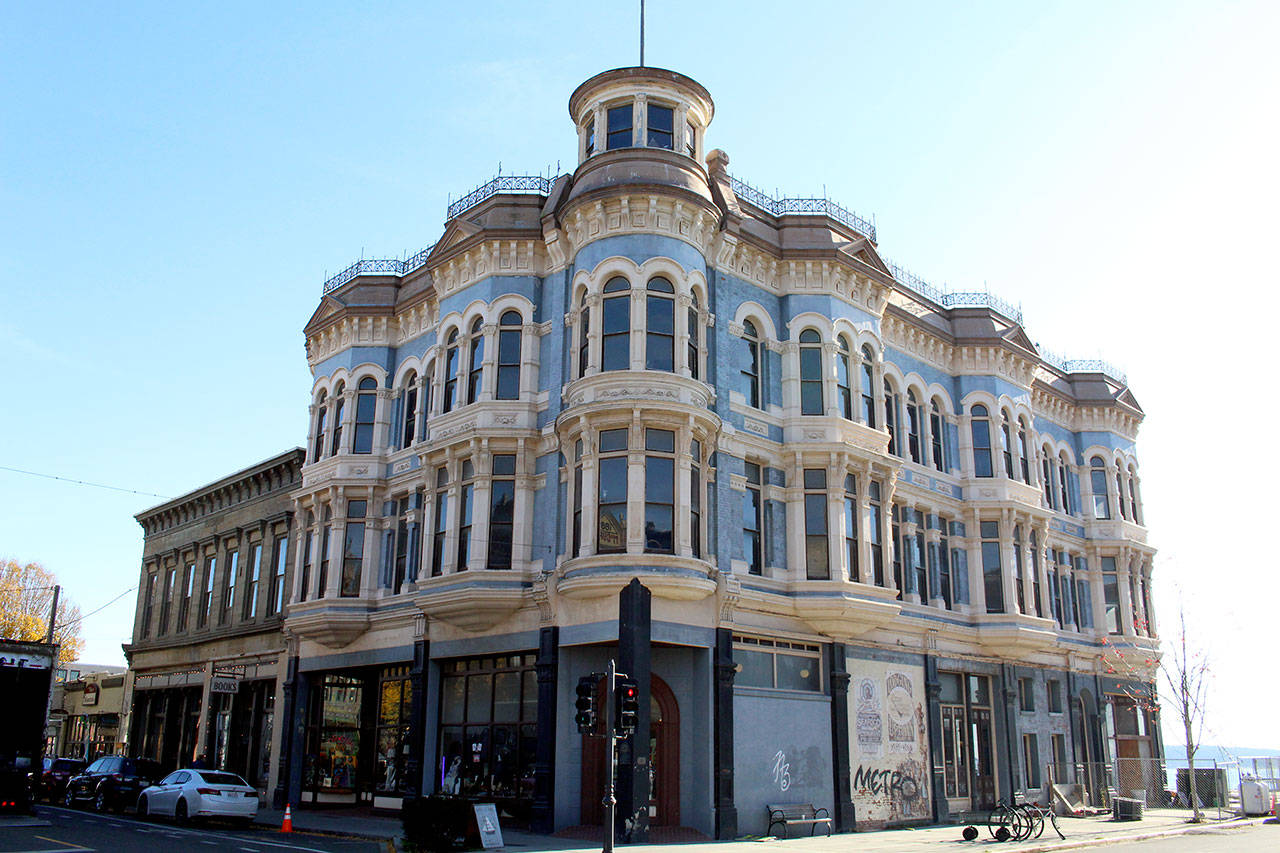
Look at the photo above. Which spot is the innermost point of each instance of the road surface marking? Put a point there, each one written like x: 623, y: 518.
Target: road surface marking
x: 68, y: 843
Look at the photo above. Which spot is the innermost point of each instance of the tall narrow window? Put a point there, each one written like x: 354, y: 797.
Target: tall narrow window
x: 584, y: 340
x: 992, y: 575
x: 915, y: 419
x: 1124, y: 512
x: 619, y: 128
x: 944, y: 565
x: 251, y: 584
x: 1053, y: 602
x: 1111, y: 595
x: 1098, y: 481
x: 400, y: 565
x: 616, y: 329
x: 918, y: 559
x: 690, y: 140
x: 937, y: 427
x: 147, y: 604
x: 980, y: 426
x: 660, y: 334
x: 892, y: 404
x: 509, y: 346
x: 659, y: 491
x: 1066, y: 591
x: 868, y: 388
x: 811, y: 402
x: 317, y: 440
x: 502, y: 510
x: 751, y: 365
x: 1133, y: 497
x: 229, y: 590
x: 1019, y: 575
x: 1035, y: 574
x: 275, y: 600
x: 1006, y: 445
x: 206, y: 598
x: 409, y: 410
x: 874, y: 531
x: 695, y: 337
x: 1068, y: 505
x: 322, y: 578
x: 476, y: 369
x: 898, y: 547
x: 308, y: 554
x: 1024, y: 452
x: 816, y: 544
x: 451, y: 373
x: 466, y: 506
x: 1084, y: 618
x: 661, y: 127
x: 695, y: 498
x: 366, y: 406
x: 589, y: 134
x: 843, y: 388
x: 440, y: 529
x: 611, y: 503
x: 1046, y: 471
x: 353, y: 549
x: 166, y: 603
x: 752, y: 518
x: 851, y: 526
x: 578, y: 499
x: 339, y: 405
x: 188, y: 590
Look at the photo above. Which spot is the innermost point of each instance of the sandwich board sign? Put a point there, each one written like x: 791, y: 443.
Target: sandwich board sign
x: 487, y: 823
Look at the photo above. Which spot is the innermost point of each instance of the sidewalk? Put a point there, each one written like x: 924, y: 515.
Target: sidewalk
x: 1080, y: 832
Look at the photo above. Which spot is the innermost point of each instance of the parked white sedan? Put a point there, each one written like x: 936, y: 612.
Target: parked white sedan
x: 192, y: 793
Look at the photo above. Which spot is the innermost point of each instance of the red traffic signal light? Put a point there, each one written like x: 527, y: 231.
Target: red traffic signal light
x: 628, y: 705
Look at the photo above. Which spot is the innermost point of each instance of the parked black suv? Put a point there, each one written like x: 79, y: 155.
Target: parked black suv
x: 112, y: 782
x: 50, y: 784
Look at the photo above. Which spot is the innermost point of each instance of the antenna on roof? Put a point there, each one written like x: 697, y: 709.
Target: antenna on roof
x: 642, y: 33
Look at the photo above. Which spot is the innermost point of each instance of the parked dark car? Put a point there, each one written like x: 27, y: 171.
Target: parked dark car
x: 52, y: 783
x: 112, y: 782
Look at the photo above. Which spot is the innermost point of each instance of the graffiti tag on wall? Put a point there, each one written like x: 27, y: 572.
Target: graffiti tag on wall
x: 781, y: 771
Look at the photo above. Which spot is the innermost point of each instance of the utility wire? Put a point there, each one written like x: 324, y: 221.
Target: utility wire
x: 82, y: 482
x: 100, y: 609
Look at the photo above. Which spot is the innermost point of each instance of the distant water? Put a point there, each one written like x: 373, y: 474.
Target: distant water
x: 1233, y: 759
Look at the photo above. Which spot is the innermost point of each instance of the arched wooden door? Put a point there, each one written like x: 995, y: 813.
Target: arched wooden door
x: 664, y: 762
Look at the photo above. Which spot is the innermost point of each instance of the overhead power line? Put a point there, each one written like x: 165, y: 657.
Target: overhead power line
x: 82, y: 482
x: 100, y: 609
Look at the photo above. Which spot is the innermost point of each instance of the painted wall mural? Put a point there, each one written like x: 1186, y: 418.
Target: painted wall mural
x: 888, y: 743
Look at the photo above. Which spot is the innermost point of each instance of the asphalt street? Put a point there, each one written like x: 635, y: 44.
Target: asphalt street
x: 71, y: 831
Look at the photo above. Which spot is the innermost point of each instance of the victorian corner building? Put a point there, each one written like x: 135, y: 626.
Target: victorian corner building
x: 892, y: 555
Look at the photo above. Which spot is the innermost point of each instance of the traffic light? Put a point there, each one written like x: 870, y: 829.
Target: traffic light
x: 628, y: 705
x: 586, y: 717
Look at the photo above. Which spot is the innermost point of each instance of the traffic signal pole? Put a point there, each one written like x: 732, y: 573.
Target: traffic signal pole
x: 611, y: 737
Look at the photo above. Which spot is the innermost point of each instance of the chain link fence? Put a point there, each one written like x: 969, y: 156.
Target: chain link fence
x: 1084, y: 789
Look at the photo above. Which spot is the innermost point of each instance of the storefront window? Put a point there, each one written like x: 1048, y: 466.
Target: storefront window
x: 396, y: 697
x: 488, y: 732
x: 337, y: 739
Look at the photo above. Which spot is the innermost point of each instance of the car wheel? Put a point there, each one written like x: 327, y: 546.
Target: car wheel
x: 100, y: 801
x: 180, y: 811
x: 69, y: 798
x: 143, y: 811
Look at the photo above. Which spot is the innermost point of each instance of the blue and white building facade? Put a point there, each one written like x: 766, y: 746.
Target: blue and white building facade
x: 896, y: 554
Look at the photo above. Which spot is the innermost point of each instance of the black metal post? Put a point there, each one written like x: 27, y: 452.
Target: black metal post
x: 413, y: 769
x: 611, y: 766
x: 634, y: 658
x: 724, y: 673
x: 844, y: 816
x: 544, y: 768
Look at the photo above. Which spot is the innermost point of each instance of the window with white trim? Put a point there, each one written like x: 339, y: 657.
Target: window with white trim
x: 777, y: 664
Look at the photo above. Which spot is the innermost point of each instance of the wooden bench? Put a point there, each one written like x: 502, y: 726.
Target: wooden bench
x: 787, y: 814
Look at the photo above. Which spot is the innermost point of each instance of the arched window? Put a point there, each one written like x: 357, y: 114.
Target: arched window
x: 811, y: 402
x: 1098, y: 482
x: 1124, y: 512
x: 1133, y: 496
x: 660, y: 319
x: 476, y: 339
x: 751, y: 365
x: 409, y: 410
x: 509, y: 346
x: 1046, y: 469
x: 366, y: 406
x: 843, y: 387
x: 1006, y: 445
x: 936, y: 427
x: 868, y: 388
x: 892, y: 405
x: 1064, y: 485
x: 451, y: 373
x: 584, y: 337
x: 428, y: 379
x: 915, y: 419
x: 317, y: 440
x: 695, y: 336
x: 980, y: 426
x: 616, y: 338
x: 1024, y: 452
x: 340, y: 404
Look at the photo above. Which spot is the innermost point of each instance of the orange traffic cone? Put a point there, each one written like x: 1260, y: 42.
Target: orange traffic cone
x: 287, y: 826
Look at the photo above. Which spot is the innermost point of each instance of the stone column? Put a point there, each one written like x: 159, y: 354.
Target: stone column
x: 489, y: 363
x: 965, y: 432
x: 482, y: 460
x: 837, y: 570
x: 888, y: 492
x: 973, y: 547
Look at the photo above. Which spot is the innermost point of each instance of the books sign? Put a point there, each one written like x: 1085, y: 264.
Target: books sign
x: 224, y: 684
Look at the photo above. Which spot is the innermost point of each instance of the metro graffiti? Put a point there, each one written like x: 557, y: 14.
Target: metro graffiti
x: 892, y: 782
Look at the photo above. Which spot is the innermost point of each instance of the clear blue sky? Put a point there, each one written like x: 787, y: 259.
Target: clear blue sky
x: 177, y: 181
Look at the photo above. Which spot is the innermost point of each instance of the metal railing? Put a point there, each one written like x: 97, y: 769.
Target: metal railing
x: 535, y: 184
x: 784, y: 206
x: 1082, y: 365
x: 956, y: 299
x: 378, y: 266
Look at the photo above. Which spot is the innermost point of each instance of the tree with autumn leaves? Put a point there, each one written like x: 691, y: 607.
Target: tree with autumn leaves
x: 26, y: 597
